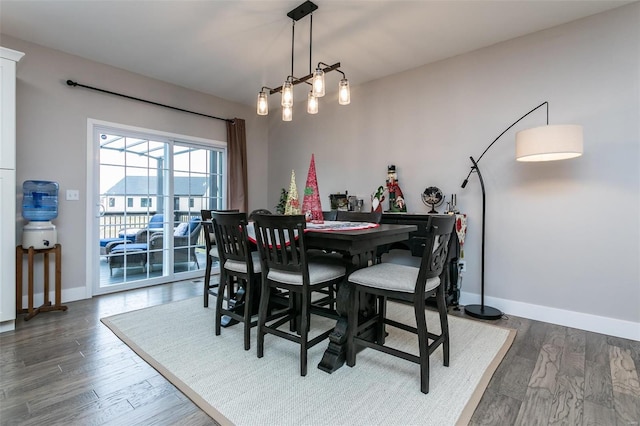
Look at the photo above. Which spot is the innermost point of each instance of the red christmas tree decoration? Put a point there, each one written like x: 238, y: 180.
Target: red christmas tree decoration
x: 311, y: 205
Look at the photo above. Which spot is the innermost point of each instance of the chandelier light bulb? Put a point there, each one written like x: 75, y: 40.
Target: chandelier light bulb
x: 287, y: 113
x: 318, y: 83
x: 287, y: 94
x: 312, y: 104
x: 344, y: 93
x: 263, y: 103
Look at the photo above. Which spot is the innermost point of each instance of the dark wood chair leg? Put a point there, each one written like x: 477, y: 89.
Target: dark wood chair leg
x: 248, y: 303
x: 222, y: 287
x: 444, y: 323
x: 304, y: 331
x: 262, y: 317
x: 207, y: 281
x: 423, y: 343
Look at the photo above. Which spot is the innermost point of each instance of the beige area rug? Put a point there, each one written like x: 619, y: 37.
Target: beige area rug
x: 235, y: 387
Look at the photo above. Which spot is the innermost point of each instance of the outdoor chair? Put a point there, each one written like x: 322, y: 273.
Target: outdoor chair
x: 185, y: 239
x: 408, y: 284
x: 284, y: 264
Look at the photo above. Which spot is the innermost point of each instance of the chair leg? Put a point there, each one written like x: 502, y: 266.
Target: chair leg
x: 352, y: 328
x: 381, y: 333
x: 265, y: 294
x: 222, y: 287
x: 423, y: 343
x: 248, y: 301
x: 207, y: 281
x: 304, y: 331
x: 444, y: 323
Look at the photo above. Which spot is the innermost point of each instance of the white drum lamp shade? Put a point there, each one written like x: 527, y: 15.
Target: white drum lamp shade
x: 549, y: 143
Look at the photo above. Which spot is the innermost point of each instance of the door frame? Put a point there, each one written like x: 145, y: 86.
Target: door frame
x: 92, y: 208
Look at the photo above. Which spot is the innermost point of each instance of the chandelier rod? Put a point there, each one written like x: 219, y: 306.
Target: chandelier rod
x: 310, y: 39
x: 293, y: 35
x: 304, y: 79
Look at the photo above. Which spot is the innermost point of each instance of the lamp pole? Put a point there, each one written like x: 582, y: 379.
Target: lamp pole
x: 482, y: 311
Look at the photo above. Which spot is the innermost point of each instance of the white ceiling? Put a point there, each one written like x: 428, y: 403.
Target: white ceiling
x: 232, y: 48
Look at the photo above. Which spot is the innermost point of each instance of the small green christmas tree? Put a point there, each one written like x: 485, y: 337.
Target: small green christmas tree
x: 283, y: 201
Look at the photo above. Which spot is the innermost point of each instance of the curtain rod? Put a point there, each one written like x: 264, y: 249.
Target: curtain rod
x: 75, y: 83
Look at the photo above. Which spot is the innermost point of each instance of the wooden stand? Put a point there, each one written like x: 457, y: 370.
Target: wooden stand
x: 46, y: 306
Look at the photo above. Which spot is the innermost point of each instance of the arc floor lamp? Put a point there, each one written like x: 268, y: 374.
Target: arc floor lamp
x: 546, y: 143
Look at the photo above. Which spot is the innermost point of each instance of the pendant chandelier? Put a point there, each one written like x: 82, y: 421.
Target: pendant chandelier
x: 315, y: 79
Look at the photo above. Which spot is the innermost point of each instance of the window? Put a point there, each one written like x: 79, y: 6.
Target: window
x: 112, y: 202
x: 170, y: 177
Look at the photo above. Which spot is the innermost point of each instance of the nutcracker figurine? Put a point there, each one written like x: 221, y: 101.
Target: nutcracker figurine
x: 396, y: 199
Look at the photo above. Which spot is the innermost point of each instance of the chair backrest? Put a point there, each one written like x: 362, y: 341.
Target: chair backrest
x: 280, y: 240
x: 194, y: 230
x: 439, y: 230
x: 156, y: 221
x: 207, y: 225
x: 231, y: 237
x: 347, y: 216
x: 206, y: 214
x: 258, y: 211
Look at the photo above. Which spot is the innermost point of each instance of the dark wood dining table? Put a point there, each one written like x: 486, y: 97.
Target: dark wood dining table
x: 360, y: 245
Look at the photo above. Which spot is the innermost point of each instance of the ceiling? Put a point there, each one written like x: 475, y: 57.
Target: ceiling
x: 232, y: 48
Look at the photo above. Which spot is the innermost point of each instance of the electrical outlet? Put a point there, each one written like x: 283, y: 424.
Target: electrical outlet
x: 73, y: 195
x: 462, y: 265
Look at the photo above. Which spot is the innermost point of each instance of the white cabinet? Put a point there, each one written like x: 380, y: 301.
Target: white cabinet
x: 8, y: 60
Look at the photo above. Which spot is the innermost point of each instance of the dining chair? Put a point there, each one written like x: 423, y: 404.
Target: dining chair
x: 212, y: 252
x: 258, y: 211
x: 408, y: 284
x: 281, y: 244
x: 241, y: 266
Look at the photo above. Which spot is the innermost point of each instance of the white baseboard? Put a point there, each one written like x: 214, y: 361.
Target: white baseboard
x: 582, y: 321
x: 7, y: 326
x: 68, y: 295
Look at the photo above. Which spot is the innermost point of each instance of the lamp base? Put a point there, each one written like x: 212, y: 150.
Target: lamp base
x: 483, y: 312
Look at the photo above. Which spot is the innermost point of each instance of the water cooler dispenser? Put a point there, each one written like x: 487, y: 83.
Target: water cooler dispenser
x: 39, y: 207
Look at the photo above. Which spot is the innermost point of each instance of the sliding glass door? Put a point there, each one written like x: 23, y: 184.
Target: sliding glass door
x: 151, y: 187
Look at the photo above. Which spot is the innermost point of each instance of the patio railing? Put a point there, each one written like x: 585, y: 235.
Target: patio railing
x: 111, y: 223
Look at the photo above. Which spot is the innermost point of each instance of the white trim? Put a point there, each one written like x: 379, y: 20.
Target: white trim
x: 597, y: 324
x: 9, y: 325
x: 12, y: 55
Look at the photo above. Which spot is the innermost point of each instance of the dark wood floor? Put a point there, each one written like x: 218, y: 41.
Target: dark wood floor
x: 68, y: 368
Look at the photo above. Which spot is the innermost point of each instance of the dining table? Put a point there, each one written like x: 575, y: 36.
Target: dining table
x: 359, y: 246
x: 357, y: 242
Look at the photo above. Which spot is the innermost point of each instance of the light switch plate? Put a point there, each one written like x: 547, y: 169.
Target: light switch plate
x: 73, y: 195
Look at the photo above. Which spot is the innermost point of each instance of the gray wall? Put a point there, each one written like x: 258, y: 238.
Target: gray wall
x: 562, y: 238
x: 52, y: 134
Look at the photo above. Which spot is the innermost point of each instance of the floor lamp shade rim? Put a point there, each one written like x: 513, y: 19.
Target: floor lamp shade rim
x: 549, y: 143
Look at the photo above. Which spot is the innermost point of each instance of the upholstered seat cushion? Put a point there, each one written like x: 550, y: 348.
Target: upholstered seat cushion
x: 319, y: 272
x: 390, y: 276
x: 236, y: 266
x: 128, y: 248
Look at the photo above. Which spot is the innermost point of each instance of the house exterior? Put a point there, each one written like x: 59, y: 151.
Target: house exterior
x: 143, y: 195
